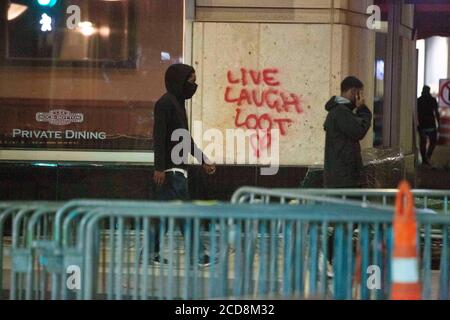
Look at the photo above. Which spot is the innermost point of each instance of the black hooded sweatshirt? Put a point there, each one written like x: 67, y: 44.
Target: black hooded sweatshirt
x: 170, y: 115
x: 344, y: 129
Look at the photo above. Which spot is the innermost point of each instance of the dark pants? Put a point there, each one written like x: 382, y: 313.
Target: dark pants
x: 425, y: 135
x: 174, y: 188
x: 330, y: 244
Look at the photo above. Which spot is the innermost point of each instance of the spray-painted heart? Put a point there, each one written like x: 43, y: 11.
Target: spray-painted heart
x: 261, y: 140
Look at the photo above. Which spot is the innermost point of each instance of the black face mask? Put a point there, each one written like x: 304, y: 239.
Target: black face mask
x: 189, y: 90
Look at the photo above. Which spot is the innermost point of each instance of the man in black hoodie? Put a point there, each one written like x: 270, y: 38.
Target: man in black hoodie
x: 170, y: 118
x: 429, y: 122
x: 345, y: 127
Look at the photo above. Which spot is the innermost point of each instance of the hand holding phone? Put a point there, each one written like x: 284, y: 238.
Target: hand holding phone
x: 360, y: 100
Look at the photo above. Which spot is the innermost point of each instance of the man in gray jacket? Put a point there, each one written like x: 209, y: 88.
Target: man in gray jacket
x: 347, y: 123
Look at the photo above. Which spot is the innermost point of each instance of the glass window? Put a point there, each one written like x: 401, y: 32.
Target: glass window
x: 381, y: 56
x: 89, y: 86
x: 92, y: 31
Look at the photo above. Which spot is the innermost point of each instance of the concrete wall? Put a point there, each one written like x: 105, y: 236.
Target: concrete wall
x: 307, y: 46
x: 405, y: 90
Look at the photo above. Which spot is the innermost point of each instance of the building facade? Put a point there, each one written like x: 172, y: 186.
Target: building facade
x: 77, y: 104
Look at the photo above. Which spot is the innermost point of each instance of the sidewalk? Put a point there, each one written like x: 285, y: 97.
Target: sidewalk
x: 438, y: 175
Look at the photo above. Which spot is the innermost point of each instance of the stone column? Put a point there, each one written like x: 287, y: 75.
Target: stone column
x: 295, y: 48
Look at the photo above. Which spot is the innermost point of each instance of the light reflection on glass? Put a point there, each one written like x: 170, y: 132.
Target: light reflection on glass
x: 86, y: 28
x: 15, y: 10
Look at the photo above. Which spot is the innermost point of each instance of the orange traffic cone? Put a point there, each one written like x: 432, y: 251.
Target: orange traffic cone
x: 405, y: 265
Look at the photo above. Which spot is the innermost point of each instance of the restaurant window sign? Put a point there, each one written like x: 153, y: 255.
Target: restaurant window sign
x: 84, y: 75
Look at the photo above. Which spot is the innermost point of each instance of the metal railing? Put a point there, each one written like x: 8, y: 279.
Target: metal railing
x: 324, y: 249
x: 437, y: 200
x: 15, y: 243
x: 263, y: 263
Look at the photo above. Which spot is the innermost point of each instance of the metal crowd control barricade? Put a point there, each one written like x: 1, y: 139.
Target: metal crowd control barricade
x: 69, y: 247
x: 291, y: 265
x: 69, y: 240
x: 108, y: 246
x: 437, y: 200
x: 36, y: 248
x: 36, y: 253
x: 270, y: 266
x: 432, y: 238
x: 63, y: 253
x: 18, y: 268
x: 6, y: 213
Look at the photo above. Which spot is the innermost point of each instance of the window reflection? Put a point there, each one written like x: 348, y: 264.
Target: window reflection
x: 56, y: 94
x: 100, y: 33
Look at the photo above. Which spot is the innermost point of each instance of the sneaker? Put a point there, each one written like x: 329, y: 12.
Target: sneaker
x: 205, y: 261
x: 157, y: 260
x: 330, y: 272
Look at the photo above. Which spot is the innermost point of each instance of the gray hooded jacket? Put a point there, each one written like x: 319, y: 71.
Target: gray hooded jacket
x: 344, y: 129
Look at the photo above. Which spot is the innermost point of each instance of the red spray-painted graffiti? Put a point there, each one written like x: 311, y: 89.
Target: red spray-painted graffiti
x: 259, y: 89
